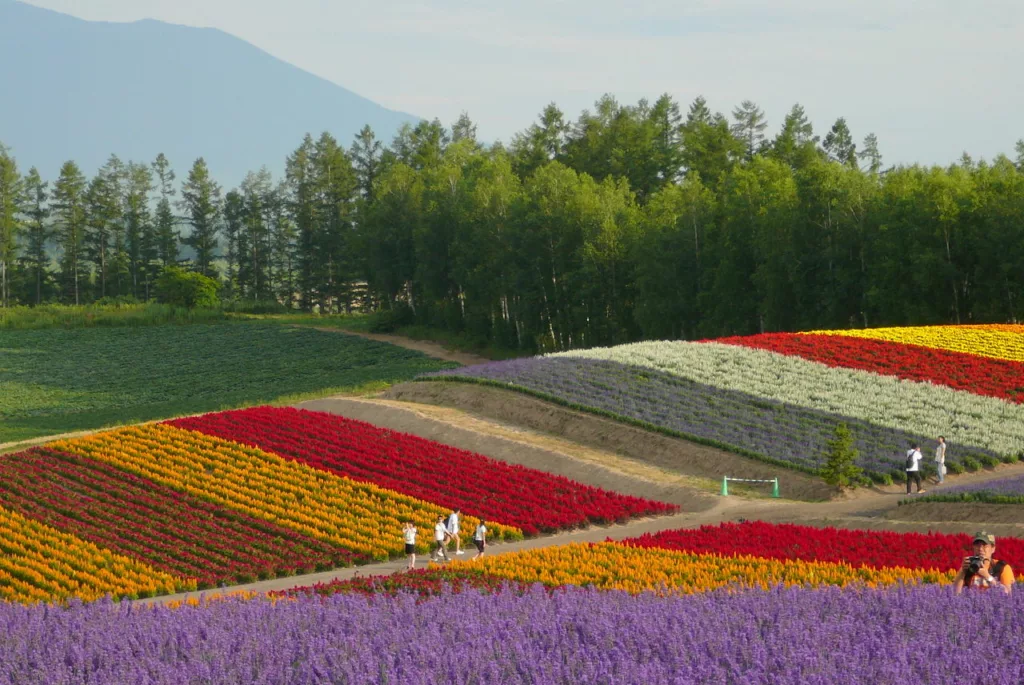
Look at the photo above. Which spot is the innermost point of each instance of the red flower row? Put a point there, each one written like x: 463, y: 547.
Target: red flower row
x: 980, y: 375
x: 532, y: 500
x: 170, y: 530
x: 872, y: 548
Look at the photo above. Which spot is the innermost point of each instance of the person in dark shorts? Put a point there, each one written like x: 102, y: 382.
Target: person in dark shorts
x: 441, y: 538
x: 409, y: 533
x: 480, y: 539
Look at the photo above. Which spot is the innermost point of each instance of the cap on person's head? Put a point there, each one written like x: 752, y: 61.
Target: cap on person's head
x: 987, y: 538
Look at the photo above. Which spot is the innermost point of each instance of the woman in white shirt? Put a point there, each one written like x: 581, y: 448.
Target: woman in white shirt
x: 480, y: 539
x: 409, y: 533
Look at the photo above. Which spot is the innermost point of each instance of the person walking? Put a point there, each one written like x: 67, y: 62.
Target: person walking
x: 914, y: 457
x: 440, y: 540
x: 480, y: 539
x: 409, y: 533
x: 454, y: 519
x: 940, y: 459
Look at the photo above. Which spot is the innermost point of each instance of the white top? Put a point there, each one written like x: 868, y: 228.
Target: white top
x: 453, y: 523
x: 916, y: 454
x: 410, y: 536
x: 940, y: 453
x: 481, y: 531
x: 440, y: 531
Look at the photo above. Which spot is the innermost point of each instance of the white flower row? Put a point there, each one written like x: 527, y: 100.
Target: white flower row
x: 921, y: 408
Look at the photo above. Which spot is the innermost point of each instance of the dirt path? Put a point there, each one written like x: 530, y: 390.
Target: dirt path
x: 427, y: 347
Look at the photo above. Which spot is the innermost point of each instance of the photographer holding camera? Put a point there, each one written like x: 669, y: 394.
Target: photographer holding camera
x: 980, y: 570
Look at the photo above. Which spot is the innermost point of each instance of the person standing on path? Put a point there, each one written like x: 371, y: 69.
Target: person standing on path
x: 940, y: 459
x: 454, y: 519
x: 480, y: 539
x: 914, y: 457
x: 440, y: 540
x: 409, y: 533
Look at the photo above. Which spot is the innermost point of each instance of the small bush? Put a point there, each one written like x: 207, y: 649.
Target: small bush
x: 390, y: 320
x: 989, y: 461
x: 881, y: 478
x: 188, y: 289
x: 971, y: 464
x: 1011, y: 458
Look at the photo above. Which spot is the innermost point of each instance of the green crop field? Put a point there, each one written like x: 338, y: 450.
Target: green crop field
x: 60, y: 380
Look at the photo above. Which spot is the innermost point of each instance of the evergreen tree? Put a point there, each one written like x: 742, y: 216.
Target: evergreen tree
x: 104, y: 236
x: 795, y: 144
x: 464, y: 129
x: 234, y: 219
x: 140, y: 233
x: 201, y: 203
x: 254, y: 236
x: 366, y: 158
x: 543, y: 142
x: 165, y: 229
x: 37, y: 233
x: 839, y: 144
x: 749, y: 127
x: 710, y: 149
x: 871, y: 153
x: 12, y: 198
x: 69, y: 213
x: 1019, y: 148
x: 300, y: 177
x: 840, y: 469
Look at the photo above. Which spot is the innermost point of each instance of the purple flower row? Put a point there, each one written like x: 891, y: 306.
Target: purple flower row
x: 828, y: 636
x: 1008, y: 490
x: 769, y: 428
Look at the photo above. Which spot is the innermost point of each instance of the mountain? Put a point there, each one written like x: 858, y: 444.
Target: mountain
x: 81, y: 90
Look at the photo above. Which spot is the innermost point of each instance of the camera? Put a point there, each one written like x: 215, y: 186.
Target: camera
x: 975, y: 563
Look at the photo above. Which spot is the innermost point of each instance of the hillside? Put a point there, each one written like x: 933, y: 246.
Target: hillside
x: 82, y: 90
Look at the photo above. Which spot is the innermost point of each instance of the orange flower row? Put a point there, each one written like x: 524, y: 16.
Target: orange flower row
x: 361, y: 517
x: 41, y: 564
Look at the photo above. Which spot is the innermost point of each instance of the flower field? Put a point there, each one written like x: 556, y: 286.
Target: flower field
x: 156, y: 508
x: 1009, y: 490
x: 780, y: 396
x: 489, y: 489
x: 898, y: 636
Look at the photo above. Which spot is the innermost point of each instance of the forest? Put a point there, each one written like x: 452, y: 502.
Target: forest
x: 631, y: 222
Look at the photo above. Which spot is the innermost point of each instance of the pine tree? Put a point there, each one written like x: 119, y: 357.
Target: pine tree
x: 139, y: 230
x: 749, y: 127
x: 200, y: 201
x: 795, y: 144
x: 69, y: 213
x: 234, y: 218
x: 463, y: 129
x: 839, y: 469
x: 366, y: 154
x: 12, y: 198
x: 300, y: 177
x: 104, y: 236
x: 871, y: 153
x: 36, y: 231
x: 1019, y: 148
x: 839, y: 144
x: 165, y: 229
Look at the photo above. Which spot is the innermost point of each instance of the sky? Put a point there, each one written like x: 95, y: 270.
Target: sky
x: 931, y: 79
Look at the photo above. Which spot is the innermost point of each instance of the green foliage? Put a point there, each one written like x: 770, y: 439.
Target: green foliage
x: 839, y: 468
x: 881, y: 478
x: 971, y: 464
x: 989, y: 461
x: 954, y: 467
x: 56, y: 380
x: 180, y: 288
x: 111, y: 313
x: 1011, y: 458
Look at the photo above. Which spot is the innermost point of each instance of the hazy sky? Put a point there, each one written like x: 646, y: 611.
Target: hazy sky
x: 932, y: 79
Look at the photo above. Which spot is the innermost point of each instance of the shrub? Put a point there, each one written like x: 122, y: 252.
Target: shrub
x: 989, y: 461
x: 954, y: 467
x: 971, y: 464
x: 1011, y: 458
x: 188, y: 289
x: 881, y: 478
x: 390, y: 320
x: 839, y: 469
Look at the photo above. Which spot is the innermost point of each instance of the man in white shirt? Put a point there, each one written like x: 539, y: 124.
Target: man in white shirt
x: 914, y: 457
x: 453, y: 529
x: 940, y: 459
x: 440, y: 540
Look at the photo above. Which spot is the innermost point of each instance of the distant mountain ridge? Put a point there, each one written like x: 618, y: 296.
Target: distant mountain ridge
x: 81, y: 90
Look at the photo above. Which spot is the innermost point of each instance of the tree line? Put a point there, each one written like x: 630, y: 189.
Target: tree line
x: 631, y: 222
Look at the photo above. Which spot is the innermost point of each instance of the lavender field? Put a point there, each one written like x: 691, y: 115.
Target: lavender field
x: 779, y: 431
x: 1009, y: 490
x: 827, y: 636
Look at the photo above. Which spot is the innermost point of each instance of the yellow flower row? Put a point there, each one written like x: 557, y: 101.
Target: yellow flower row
x: 41, y: 564
x: 361, y: 517
x: 998, y: 341
x: 612, y: 566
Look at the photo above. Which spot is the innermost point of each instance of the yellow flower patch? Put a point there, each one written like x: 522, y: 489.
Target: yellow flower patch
x: 999, y: 341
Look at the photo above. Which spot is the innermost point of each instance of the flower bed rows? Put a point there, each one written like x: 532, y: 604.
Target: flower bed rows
x: 899, y: 636
x: 360, y: 517
x: 999, y: 341
x: 980, y: 375
x: 530, y: 500
x: 173, y: 532
x: 1009, y: 490
x: 771, y: 429
x: 41, y: 564
x: 871, y: 548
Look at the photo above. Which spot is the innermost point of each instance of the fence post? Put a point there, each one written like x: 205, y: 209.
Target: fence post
x: 775, y: 487
x: 725, y: 486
